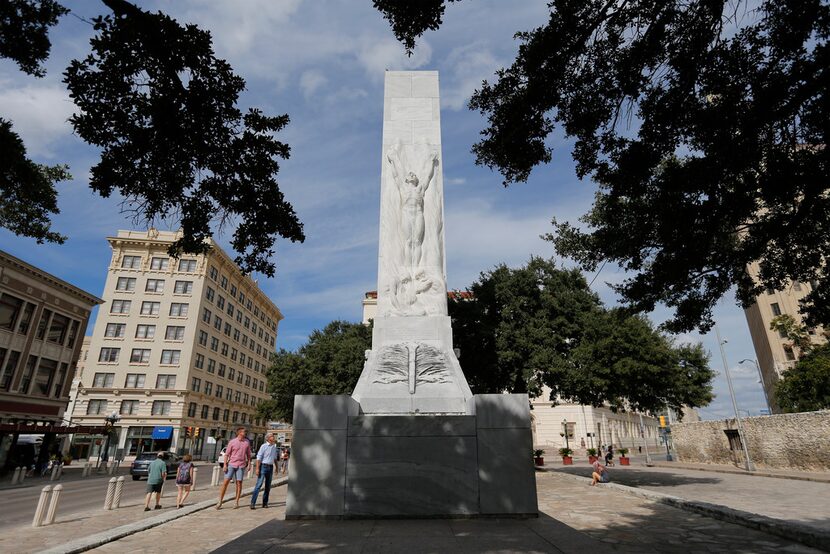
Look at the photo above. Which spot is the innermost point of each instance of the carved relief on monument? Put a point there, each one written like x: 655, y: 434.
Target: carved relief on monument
x: 413, y: 363
x: 412, y: 233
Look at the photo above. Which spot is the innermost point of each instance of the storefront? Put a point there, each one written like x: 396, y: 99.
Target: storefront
x: 148, y: 439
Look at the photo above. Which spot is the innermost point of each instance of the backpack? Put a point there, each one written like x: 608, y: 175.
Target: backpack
x: 183, y: 476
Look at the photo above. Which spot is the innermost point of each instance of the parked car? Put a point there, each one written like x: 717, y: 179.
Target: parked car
x: 138, y: 468
x: 221, y: 459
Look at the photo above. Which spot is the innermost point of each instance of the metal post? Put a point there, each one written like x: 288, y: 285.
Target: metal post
x: 643, y: 436
x: 40, y: 511
x: 749, y: 466
x: 16, y: 475
x: 110, y: 493
x: 53, y: 505
x: 760, y: 380
x: 193, y: 483
x: 119, y: 487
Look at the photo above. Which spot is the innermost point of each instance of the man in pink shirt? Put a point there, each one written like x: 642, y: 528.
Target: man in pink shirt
x: 237, y: 458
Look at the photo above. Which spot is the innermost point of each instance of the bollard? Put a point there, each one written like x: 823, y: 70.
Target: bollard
x: 119, y: 486
x: 40, y: 511
x: 54, y: 475
x: 214, y: 478
x: 110, y: 468
x: 87, y: 469
x: 22, y: 476
x: 16, y: 475
x: 60, y: 471
x: 53, y: 505
x: 110, y: 493
x: 193, y: 484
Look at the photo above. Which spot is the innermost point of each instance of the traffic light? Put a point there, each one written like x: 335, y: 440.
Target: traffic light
x: 196, y: 432
x: 662, y: 421
x: 188, y: 431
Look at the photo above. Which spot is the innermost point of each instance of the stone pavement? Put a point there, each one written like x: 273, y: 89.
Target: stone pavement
x: 798, y: 501
x: 820, y: 476
x: 574, y: 518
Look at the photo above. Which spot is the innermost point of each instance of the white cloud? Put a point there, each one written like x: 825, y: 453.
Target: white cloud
x: 466, y: 67
x: 455, y: 181
x: 39, y: 114
x: 377, y: 55
x: 310, y: 81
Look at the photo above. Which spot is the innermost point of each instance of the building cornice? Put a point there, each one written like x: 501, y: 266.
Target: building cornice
x: 49, y: 279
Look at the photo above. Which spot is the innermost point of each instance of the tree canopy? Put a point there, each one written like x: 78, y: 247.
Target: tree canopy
x: 329, y: 363
x: 153, y: 96
x: 806, y: 387
x: 704, y: 125
x: 538, y: 325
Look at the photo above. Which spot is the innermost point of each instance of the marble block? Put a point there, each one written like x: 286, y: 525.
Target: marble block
x: 318, y: 474
x: 507, y: 478
x: 323, y: 411
x: 502, y: 411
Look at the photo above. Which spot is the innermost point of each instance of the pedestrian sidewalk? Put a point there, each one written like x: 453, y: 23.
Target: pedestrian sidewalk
x: 817, y: 476
x: 574, y: 518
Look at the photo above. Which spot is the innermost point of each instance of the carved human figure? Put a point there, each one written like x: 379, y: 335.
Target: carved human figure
x: 412, y: 188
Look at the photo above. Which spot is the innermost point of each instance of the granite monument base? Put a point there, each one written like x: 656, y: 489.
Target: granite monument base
x: 346, y: 465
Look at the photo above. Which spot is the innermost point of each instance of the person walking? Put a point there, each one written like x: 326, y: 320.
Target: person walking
x: 284, y: 456
x: 609, y: 456
x: 184, y: 480
x: 156, y: 474
x: 600, y: 474
x: 265, y: 459
x: 237, y: 458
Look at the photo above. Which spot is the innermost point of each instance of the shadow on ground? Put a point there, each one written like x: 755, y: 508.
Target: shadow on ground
x: 645, y: 478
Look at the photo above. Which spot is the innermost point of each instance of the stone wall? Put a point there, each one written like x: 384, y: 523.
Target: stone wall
x: 782, y: 441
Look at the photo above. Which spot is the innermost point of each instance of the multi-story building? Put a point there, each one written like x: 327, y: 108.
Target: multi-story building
x: 774, y: 352
x: 42, y: 322
x: 179, y: 351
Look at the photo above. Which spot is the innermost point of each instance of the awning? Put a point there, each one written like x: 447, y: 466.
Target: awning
x: 162, y: 432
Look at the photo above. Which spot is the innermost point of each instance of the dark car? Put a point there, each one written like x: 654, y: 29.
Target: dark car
x: 138, y: 468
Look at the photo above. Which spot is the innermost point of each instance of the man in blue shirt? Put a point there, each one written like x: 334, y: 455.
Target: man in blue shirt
x: 265, y: 458
x: 156, y: 474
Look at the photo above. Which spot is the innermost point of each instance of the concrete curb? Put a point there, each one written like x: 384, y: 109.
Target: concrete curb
x: 736, y: 471
x: 805, y: 534
x: 93, y: 541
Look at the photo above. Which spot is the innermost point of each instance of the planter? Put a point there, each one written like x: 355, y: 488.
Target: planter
x: 567, y: 461
x: 625, y: 461
x: 592, y: 459
x: 539, y: 461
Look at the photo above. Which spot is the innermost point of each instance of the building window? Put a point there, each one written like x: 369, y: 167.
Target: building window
x: 235, y: 417
x: 219, y: 390
x: 154, y: 285
x: 135, y: 381
x: 161, y: 407
x: 211, y: 365
x: 242, y: 358
x: 203, y: 337
x: 228, y: 393
x: 170, y: 357
x: 788, y: 352
x: 174, y: 332
x: 140, y: 356
x: 215, y: 414
x: 10, y: 308
x: 208, y: 388
x: 238, y: 316
x: 28, y: 372
x: 226, y: 415
x: 217, y: 323
x: 129, y: 407
x: 236, y: 334
x: 231, y: 373
x: 233, y: 291
x: 220, y: 302
x: 227, y: 329
x: 196, y: 384
x: 25, y: 318
x: 210, y: 293
x: 247, y: 322
x: 234, y: 354
x: 241, y: 298
x: 224, y: 349
x: 247, y: 380
x: 179, y: 310
x: 58, y: 389
x: 230, y: 309
x: 159, y: 264
x: 191, y: 409
x: 8, y: 368
x: 109, y: 355
x: 115, y: 330
x: 145, y: 331
x: 261, y: 386
x: 222, y: 368
x: 206, y: 315
x: 131, y: 262
x: 150, y: 308
x: 214, y: 344
x: 183, y: 287
x: 96, y: 407
x: 187, y: 266
x: 237, y: 396
x: 776, y: 309
x: 120, y: 306
x: 223, y: 282
x: 166, y: 381
x: 205, y: 411
x: 125, y: 284
x: 42, y: 379
x: 103, y: 380
x: 200, y: 361
x: 214, y: 273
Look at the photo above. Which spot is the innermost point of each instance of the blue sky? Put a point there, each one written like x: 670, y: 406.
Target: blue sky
x: 322, y: 62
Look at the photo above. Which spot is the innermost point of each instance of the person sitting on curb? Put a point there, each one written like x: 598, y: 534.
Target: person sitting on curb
x: 600, y: 474
x: 156, y: 474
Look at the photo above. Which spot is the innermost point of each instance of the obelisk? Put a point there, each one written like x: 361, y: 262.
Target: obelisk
x: 412, y: 367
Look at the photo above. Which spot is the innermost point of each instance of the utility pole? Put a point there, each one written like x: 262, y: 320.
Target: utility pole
x: 760, y: 380
x: 749, y: 466
x: 643, y: 436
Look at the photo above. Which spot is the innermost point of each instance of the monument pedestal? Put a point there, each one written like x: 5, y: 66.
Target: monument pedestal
x: 346, y: 466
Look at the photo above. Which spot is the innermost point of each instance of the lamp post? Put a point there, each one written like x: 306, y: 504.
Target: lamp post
x: 760, y: 380
x: 111, y: 420
x: 749, y: 466
x: 565, y: 432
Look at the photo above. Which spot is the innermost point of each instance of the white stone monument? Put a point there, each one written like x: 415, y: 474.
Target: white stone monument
x: 411, y: 441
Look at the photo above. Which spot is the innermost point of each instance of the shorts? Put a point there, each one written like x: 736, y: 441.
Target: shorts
x: 154, y: 487
x: 604, y: 478
x: 237, y: 473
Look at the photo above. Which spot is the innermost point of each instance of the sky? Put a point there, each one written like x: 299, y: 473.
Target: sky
x: 323, y: 62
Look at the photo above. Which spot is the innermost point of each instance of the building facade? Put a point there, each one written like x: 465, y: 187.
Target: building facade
x: 179, y: 351
x: 774, y: 352
x: 42, y: 323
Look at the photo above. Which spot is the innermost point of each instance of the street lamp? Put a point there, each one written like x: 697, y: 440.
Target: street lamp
x: 111, y: 420
x: 749, y: 466
x: 760, y: 380
x: 565, y: 432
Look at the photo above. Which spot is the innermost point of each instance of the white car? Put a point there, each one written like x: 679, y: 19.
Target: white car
x: 221, y: 459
